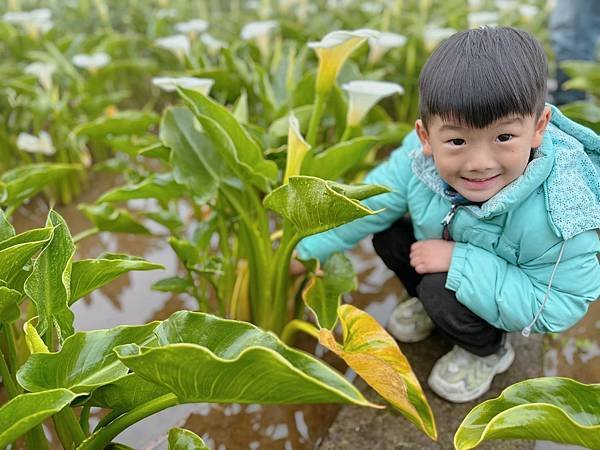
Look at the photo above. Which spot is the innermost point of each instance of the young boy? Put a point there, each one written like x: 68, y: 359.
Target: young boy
x: 504, y: 205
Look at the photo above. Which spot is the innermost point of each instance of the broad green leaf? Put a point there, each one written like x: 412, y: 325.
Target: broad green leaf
x: 248, y: 151
x: 49, y: 283
x: 223, y: 143
x: 123, y: 122
x: 9, y: 304
x: 34, y: 342
x: 180, y: 439
x: 323, y: 294
x: 167, y: 219
x: 90, y: 274
x: 314, y: 205
x: 172, y: 284
x: 157, y: 151
x: 203, y: 358
x: 6, y: 229
x: 195, y: 162
x: 161, y: 187
x: 240, y: 109
x: 186, y: 251
x: 336, y: 161
x: 375, y: 356
x: 17, y: 251
x: 550, y: 408
x: 126, y: 393
x: 117, y: 220
x: 25, y: 411
x: 85, y: 361
x: 25, y: 181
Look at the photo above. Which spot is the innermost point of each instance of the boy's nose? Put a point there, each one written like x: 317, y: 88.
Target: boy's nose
x: 479, y: 162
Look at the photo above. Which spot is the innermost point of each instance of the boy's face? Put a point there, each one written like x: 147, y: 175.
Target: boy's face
x: 478, y: 163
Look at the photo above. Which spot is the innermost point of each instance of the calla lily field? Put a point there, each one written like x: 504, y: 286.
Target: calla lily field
x: 241, y: 127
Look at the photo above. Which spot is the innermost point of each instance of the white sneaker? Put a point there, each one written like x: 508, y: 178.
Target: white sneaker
x: 409, y: 322
x: 460, y: 376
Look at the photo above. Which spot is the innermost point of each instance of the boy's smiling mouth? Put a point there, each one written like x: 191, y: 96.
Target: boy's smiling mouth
x: 479, y: 183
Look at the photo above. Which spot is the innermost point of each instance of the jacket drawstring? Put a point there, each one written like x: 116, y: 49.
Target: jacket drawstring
x: 527, y: 330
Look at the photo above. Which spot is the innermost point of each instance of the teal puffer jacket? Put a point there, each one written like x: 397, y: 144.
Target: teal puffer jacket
x: 527, y: 258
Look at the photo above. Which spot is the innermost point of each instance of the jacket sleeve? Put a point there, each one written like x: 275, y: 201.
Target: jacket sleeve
x: 395, y: 174
x: 509, y: 296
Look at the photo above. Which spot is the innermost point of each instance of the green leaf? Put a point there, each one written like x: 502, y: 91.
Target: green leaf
x: 167, y: 219
x: 314, y: 205
x: 123, y: 122
x: 17, y: 251
x: 90, y: 274
x: 180, y: 439
x: 9, y: 304
x: 25, y: 181
x: 323, y: 294
x: 6, y: 229
x: 25, y: 411
x: 375, y: 356
x: 157, y: 151
x: 161, y: 187
x: 126, y: 393
x: 49, y: 283
x: 279, y: 128
x: 172, y: 284
x: 203, y: 358
x: 336, y: 161
x: 34, y: 342
x: 85, y: 361
x: 549, y: 408
x: 117, y: 220
x: 247, y: 149
x: 585, y: 113
x: 195, y: 162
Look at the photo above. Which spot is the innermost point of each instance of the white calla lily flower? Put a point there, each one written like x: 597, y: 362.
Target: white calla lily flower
x: 212, y: 44
x: 297, y: 148
x: 528, y: 12
x: 333, y: 50
x: 385, y: 41
x: 43, y: 72
x: 34, y: 22
x: 433, y: 36
x: 483, y: 18
x: 91, y: 62
x: 169, y: 84
x: 178, y: 44
x: 36, y: 144
x: 259, y: 32
x: 364, y: 95
x: 371, y: 8
x: 192, y: 27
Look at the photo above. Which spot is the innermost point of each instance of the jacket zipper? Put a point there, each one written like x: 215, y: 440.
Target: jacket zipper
x: 446, y: 222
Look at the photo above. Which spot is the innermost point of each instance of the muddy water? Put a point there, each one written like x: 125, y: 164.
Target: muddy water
x: 129, y: 300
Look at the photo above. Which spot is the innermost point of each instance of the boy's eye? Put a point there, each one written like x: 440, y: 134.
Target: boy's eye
x: 457, y: 141
x: 505, y: 137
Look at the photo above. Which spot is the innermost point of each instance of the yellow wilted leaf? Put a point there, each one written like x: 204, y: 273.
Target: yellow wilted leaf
x: 374, y: 355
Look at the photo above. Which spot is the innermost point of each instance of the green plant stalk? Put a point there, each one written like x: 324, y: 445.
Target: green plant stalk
x: 7, y: 330
x: 12, y: 388
x: 101, y: 437
x: 315, y: 118
x: 68, y: 427
x: 281, y: 278
x: 289, y: 331
x: 84, y: 419
x: 348, y: 132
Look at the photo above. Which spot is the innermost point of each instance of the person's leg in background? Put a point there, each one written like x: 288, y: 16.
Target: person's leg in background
x: 574, y: 32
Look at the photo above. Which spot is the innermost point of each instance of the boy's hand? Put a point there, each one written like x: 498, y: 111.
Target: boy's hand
x: 431, y: 255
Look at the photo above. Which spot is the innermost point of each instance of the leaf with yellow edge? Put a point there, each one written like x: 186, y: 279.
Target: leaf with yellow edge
x: 374, y: 355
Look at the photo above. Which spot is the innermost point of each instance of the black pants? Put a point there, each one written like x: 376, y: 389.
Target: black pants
x: 453, y: 320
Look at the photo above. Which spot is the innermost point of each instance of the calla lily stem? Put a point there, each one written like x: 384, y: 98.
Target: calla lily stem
x: 289, y: 332
x: 315, y: 118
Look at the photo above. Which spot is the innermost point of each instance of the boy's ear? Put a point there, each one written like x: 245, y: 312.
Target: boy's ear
x: 423, y: 136
x: 540, y: 127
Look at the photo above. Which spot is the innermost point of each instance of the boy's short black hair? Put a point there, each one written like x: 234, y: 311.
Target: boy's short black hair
x: 481, y: 75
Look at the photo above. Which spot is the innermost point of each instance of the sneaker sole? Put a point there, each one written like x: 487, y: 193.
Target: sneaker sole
x: 464, y: 398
